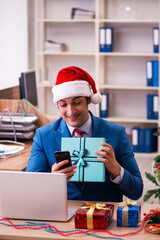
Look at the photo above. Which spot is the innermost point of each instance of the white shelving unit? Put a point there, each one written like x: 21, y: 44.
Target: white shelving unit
x: 121, y: 73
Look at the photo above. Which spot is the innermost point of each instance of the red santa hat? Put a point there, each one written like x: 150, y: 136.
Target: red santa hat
x: 74, y: 81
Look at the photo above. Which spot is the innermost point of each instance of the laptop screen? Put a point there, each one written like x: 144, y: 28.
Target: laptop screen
x: 28, y: 195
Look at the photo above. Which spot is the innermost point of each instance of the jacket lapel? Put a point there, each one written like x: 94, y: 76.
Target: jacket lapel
x: 97, y: 129
x: 63, y: 129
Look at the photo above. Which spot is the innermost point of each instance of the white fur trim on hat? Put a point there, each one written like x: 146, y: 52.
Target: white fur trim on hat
x: 96, y: 98
x: 71, y: 89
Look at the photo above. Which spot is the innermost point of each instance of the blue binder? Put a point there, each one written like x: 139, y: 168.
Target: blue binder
x: 135, y: 144
x: 155, y: 67
x: 150, y: 141
x: 106, y: 39
x: 149, y: 74
x: 109, y: 39
x: 104, y: 105
x: 156, y: 40
x: 150, y: 106
x: 102, y: 39
x: 155, y: 106
x: 141, y: 137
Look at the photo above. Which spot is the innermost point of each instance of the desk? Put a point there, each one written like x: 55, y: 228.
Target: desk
x: 19, y: 162
x: 11, y: 233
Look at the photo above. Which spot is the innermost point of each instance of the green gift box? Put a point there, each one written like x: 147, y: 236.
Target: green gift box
x: 82, y: 151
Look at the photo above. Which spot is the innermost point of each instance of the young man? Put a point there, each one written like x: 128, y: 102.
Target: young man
x: 74, y: 91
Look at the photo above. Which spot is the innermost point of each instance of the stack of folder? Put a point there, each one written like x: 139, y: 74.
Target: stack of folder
x: 152, y: 106
x: 152, y: 73
x: 144, y: 140
x: 106, y: 39
x: 54, y: 46
x: 78, y: 13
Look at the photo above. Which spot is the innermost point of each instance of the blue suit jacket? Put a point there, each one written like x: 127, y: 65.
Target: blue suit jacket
x: 47, y: 140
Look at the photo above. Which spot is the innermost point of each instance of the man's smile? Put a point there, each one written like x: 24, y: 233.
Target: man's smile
x: 73, y: 118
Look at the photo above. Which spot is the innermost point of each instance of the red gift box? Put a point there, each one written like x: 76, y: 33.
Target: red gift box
x: 93, y: 216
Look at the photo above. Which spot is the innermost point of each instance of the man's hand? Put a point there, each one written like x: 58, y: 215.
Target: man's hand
x: 70, y: 171
x: 109, y: 159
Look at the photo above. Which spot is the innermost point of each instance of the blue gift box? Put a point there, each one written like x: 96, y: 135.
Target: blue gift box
x: 82, y: 151
x: 128, y: 216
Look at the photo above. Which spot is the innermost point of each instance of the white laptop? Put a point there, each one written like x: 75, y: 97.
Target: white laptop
x: 38, y: 196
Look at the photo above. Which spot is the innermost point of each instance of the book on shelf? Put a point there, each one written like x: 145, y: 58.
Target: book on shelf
x: 104, y: 106
x: 54, y: 46
x: 156, y: 40
x: 79, y: 13
x: 106, y: 39
x: 152, y: 73
x: 144, y: 140
x: 152, y: 106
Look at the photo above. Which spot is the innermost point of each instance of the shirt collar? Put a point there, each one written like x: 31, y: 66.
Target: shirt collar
x: 87, y: 127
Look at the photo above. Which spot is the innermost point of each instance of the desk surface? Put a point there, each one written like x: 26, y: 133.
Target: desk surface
x: 11, y: 233
x: 19, y: 162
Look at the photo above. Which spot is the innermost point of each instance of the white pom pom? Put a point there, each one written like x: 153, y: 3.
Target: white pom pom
x: 96, y: 98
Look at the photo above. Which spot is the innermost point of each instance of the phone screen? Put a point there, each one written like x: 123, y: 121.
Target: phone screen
x: 63, y: 155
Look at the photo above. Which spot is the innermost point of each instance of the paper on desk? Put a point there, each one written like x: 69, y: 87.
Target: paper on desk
x: 10, y: 151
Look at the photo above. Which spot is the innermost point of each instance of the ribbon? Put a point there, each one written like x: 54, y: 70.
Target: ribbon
x: 80, y: 162
x: 125, y: 206
x: 80, y: 155
x: 92, y: 207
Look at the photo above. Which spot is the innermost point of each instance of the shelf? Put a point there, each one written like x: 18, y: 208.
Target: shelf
x: 128, y: 87
x: 130, y: 21
x: 128, y: 54
x: 47, y: 83
x: 65, y: 20
x: 114, y: 21
x: 66, y: 53
x: 131, y: 120
x: 115, y: 119
x: 108, y: 54
x: 145, y: 155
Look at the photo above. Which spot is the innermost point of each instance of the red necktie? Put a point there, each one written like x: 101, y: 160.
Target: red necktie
x: 78, y: 133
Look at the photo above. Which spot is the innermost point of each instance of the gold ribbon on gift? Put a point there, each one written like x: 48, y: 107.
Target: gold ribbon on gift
x: 92, y: 207
x: 125, y: 207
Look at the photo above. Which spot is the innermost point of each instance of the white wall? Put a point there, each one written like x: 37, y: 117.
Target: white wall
x: 13, y: 41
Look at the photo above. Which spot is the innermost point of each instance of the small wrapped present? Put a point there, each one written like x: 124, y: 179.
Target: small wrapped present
x: 82, y: 151
x: 93, y: 216
x: 128, y: 214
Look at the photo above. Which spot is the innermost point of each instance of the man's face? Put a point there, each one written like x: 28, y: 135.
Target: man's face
x: 74, y: 110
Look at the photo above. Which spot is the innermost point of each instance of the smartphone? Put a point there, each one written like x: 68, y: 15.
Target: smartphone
x: 63, y: 155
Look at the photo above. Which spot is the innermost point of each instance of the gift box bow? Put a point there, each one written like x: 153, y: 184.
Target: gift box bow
x: 125, y: 207
x: 80, y: 155
x: 92, y: 207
